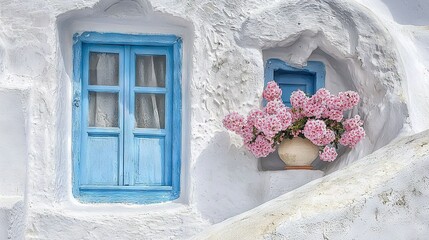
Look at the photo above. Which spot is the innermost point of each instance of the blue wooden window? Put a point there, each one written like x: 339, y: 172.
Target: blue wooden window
x: 309, y: 78
x: 126, y: 118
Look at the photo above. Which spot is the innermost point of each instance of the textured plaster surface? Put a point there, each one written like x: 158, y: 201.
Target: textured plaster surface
x: 13, y: 150
x: 383, y: 196
x: 225, y: 44
x: 12, y: 217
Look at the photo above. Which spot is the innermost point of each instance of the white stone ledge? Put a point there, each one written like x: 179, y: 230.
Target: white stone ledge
x: 382, y: 196
x: 11, y: 217
x: 280, y: 182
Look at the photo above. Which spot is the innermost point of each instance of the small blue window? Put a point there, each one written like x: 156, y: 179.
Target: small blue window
x: 126, y: 118
x: 309, y: 78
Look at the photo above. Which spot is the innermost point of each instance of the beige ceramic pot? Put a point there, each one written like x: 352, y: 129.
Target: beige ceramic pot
x: 297, y: 152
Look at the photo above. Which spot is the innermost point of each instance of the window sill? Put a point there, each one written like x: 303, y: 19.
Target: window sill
x: 126, y: 194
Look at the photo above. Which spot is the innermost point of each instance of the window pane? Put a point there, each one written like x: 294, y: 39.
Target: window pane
x: 103, y: 109
x: 104, y: 69
x: 150, y: 71
x: 150, y: 111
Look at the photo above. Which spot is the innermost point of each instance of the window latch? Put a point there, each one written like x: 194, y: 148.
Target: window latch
x: 76, y: 102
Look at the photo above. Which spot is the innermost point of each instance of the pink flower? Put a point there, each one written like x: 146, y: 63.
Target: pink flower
x: 352, y: 137
x: 272, y: 91
x: 247, y: 133
x: 344, y: 101
x: 285, y: 117
x: 313, y: 107
x: 352, y: 123
x: 296, y: 115
x: 273, y: 106
x: 296, y: 133
x: 328, y: 154
x: 314, y: 129
x: 335, y: 103
x: 270, y: 126
x: 234, y: 122
x: 333, y: 114
x: 327, y: 138
x: 317, y: 133
x: 254, y: 115
x: 322, y: 95
x: 350, y: 99
x: 261, y: 147
x: 298, y: 99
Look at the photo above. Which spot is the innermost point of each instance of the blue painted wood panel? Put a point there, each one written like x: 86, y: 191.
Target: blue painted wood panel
x: 149, y: 164
x: 101, y: 165
x: 124, y: 163
x: 144, y: 164
x: 309, y: 78
x: 290, y: 81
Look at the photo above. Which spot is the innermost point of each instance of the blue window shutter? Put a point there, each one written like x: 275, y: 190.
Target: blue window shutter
x: 123, y: 163
x: 308, y: 79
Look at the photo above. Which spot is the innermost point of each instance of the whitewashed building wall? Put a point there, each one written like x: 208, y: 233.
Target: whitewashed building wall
x: 378, y: 49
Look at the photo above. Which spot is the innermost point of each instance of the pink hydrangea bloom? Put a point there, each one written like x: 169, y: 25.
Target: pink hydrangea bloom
x: 344, y: 101
x: 335, y: 103
x: 333, y: 114
x: 327, y: 137
x: 313, y: 107
x: 298, y: 99
x: 254, y: 115
x: 273, y: 106
x: 352, y: 137
x: 328, y: 154
x: 261, y: 147
x: 272, y: 91
x: 296, y: 133
x: 247, y: 133
x: 295, y: 115
x: 234, y: 122
x: 270, y: 126
x: 285, y: 117
x: 317, y: 133
x: 322, y: 95
x: 352, y: 123
x: 314, y: 129
x: 350, y: 99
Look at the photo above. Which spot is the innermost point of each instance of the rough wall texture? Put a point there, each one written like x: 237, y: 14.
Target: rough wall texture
x: 12, y: 218
x: 383, y: 196
x: 226, y: 42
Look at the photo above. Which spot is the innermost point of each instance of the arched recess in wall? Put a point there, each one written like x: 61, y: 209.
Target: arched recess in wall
x: 133, y: 17
x: 358, y: 52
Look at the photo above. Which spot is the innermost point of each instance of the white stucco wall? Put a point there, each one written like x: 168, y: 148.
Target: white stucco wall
x: 407, y: 22
x: 225, y: 43
x: 13, y: 143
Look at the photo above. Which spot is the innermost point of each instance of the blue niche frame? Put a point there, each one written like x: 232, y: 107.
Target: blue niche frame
x: 123, y: 193
x: 315, y: 68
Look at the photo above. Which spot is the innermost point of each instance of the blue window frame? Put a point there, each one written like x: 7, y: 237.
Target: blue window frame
x: 126, y: 131
x: 309, y: 78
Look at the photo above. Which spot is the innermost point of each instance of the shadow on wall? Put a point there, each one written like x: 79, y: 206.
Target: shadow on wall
x: 226, y: 179
x: 411, y: 12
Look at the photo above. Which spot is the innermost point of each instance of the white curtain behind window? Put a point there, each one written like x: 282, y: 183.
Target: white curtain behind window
x: 103, y: 107
x: 150, y: 72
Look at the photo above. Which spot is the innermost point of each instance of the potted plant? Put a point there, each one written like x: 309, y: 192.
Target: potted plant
x: 312, y: 126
